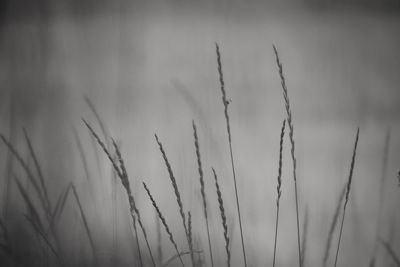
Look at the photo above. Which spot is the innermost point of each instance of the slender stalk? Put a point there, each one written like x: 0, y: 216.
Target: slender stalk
x: 176, y: 189
x: 159, y: 241
x: 122, y: 174
x: 203, y: 193
x: 228, y: 128
x: 171, y: 237
x: 347, y: 193
x: 304, y: 241
x: 278, y: 188
x: 381, y: 195
x: 292, y: 151
x: 333, y: 226
x: 137, y: 239
x: 170, y: 260
x: 125, y: 183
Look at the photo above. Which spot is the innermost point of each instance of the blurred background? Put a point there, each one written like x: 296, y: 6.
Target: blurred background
x: 150, y: 67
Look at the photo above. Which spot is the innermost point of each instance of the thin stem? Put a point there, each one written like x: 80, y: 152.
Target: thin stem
x: 226, y: 102
x: 202, y: 190
x: 137, y: 239
x: 347, y: 192
x: 276, y: 232
x: 291, y: 135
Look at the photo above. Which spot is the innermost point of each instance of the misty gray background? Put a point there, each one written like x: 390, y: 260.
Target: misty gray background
x: 150, y: 67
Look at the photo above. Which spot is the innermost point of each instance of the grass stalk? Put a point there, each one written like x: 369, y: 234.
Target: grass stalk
x: 347, y: 193
x: 122, y: 174
x: 228, y: 128
x: 159, y: 239
x: 304, y: 240
x: 180, y: 254
x: 176, y: 189
x: 202, y: 190
x: 164, y: 222
x: 132, y: 203
x: 381, y: 194
x: 292, y: 151
x: 333, y: 226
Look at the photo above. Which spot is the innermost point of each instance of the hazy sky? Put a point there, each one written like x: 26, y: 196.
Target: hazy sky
x: 151, y: 67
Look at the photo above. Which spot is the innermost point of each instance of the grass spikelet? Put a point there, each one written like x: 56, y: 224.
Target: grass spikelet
x: 175, y: 186
x: 103, y: 146
x: 292, y: 151
x: 333, y: 225
x: 228, y: 128
x: 171, y: 237
x: 223, y: 217
x: 125, y: 183
x: 347, y: 193
x: 190, y: 236
x: 278, y: 187
x: 203, y: 193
